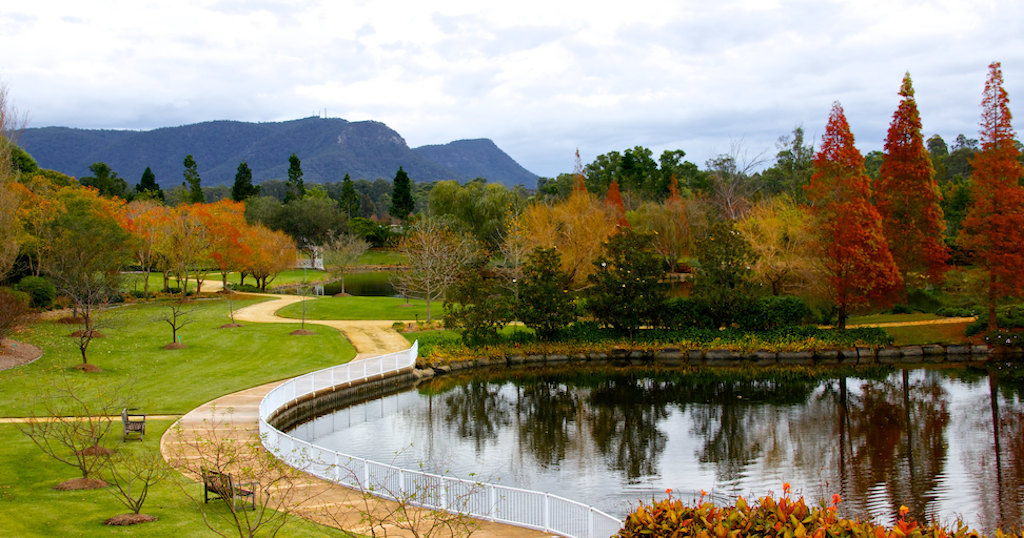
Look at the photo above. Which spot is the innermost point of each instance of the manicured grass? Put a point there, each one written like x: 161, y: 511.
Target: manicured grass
x: 382, y: 257
x: 216, y: 361
x: 941, y: 333
x: 29, y: 506
x: 363, y: 308
x: 890, y: 318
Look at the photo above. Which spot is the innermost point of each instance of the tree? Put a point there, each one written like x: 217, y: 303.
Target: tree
x: 272, y: 252
x: 132, y: 473
x: 296, y: 189
x: 994, y: 225
x: 86, y: 252
x: 147, y: 187
x: 309, y: 220
x: 670, y: 223
x: 627, y: 291
x: 340, y: 251
x: 10, y: 198
x: 478, y: 305
x: 349, y: 201
x: 73, y: 422
x: 186, y: 244
x: 478, y: 208
x: 544, y: 302
x: 794, y: 164
x: 613, y: 201
x: 575, y: 227
x: 436, y: 256
x: 13, y: 308
x: 146, y: 222
x: 243, y: 188
x: 722, y: 279
x: 850, y: 245
x: 177, y: 317
x: 907, y: 195
x: 195, y: 192
x: 106, y: 181
x: 402, y: 203
x: 776, y: 231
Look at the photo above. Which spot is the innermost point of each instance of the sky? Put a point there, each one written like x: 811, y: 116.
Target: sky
x: 542, y: 79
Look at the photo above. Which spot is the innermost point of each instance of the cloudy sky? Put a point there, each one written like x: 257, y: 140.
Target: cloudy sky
x: 539, y: 78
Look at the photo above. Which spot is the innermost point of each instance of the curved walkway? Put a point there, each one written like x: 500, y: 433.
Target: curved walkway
x: 238, y: 415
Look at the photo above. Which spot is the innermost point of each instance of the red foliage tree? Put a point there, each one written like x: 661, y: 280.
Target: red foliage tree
x: 613, y: 200
x: 994, y: 226
x: 907, y: 195
x: 854, y: 256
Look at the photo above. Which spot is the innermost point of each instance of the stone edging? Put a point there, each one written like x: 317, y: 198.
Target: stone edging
x: 861, y: 356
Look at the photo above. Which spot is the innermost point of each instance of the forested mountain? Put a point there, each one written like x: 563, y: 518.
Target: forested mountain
x: 328, y: 147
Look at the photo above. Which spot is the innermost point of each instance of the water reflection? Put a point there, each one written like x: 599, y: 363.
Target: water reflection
x: 942, y: 442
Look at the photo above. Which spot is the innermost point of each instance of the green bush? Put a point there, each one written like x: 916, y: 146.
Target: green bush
x: 682, y: 312
x: 901, y: 309
x: 40, y: 290
x: 1007, y: 317
x: 767, y: 313
x: 957, y: 311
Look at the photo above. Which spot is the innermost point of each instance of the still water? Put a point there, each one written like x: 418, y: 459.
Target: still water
x: 945, y: 443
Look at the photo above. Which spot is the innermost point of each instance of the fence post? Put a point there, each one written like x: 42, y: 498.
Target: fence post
x: 547, y: 512
x: 492, y: 509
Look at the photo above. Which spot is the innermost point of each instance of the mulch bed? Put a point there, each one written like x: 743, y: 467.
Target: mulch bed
x: 302, y: 332
x: 86, y: 367
x: 78, y: 484
x: 14, y: 353
x: 230, y: 326
x: 94, y: 334
x: 175, y: 345
x: 129, y: 519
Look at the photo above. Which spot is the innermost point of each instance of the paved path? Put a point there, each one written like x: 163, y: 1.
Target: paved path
x: 236, y: 415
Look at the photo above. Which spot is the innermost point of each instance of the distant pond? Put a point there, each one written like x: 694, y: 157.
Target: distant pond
x: 363, y: 284
x: 944, y: 442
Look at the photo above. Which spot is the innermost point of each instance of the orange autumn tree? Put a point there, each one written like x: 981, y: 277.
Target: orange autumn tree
x: 908, y: 196
x: 226, y: 222
x: 851, y: 247
x: 613, y: 200
x: 146, y: 221
x: 994, y: 226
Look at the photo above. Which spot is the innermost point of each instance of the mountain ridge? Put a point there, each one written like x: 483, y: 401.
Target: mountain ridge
x: 327, y: 147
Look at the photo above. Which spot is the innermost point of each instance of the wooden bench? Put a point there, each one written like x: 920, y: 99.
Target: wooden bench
x: 223, y: 486
x: 132, y: 424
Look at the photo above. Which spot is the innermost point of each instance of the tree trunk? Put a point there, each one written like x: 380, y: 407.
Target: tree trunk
x: 993, y: 323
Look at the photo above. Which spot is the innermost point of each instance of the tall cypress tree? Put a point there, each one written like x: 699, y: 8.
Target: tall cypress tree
x: 296, y: 188
x: 349, y: 197
x: 243, y: 187
x: 195, y: 192
x: 907, y: 194
x: 994, y: 225
x: 854, y: 255
x: 402, y: 204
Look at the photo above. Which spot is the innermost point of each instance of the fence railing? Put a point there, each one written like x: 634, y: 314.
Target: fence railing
x: 514, y: 506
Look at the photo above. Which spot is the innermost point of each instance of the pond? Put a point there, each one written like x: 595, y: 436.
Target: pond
x: 944, y: 442
x: 365, y: 284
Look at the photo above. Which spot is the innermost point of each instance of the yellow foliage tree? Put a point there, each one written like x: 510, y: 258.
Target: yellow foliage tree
x: 777, y: 232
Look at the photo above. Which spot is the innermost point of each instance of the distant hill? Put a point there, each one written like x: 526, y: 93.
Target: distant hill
x: 327, y: 147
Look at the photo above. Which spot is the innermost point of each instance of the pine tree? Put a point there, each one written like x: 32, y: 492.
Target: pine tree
x: 195, y: 192
x: 349, y: 197
x: 402, y: 204
x: 854, y: 255
x: 148, y: 187
x: 994, y: 226
x: 908, y: 196
x: 243, y: 187
x: 613, y: 200
x: 296, y: 189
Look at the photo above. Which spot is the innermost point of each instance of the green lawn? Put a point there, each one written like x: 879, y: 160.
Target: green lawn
x: 916, y: 335
x: 29, y: 506
x: 216, y: 361
x: 382, y: 257
x: 890, y: 318
x: 363, y: 308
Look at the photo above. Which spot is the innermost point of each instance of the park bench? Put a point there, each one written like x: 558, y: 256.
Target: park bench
x: 223, y: 485
x: 132, y: 424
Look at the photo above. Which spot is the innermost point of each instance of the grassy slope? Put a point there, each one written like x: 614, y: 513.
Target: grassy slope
x: 363, y: 308
x: 30, y: 507
x: 216, y: 361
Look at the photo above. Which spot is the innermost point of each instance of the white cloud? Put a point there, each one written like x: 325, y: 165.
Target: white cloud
x: 540, y: 78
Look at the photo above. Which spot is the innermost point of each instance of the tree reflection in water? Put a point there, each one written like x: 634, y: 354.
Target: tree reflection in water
x: 942, y: 442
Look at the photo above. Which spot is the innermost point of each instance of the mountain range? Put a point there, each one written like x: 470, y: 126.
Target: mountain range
x: 328, y: 148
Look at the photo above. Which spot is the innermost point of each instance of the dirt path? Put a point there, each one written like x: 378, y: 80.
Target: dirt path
x: 941, y: 321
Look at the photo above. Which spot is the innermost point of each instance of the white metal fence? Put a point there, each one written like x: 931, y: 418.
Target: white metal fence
x: 525, y: 508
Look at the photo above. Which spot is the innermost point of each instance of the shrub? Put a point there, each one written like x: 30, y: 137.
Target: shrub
x: 245, y: 288
x: 923, y: 300
x: 40, y: 290
x: 768, y: 517
x: 957, y: 311
x: 626, y: 290
x: 544, y: 303
x: 901, y: 309
x: 682, y: 312
x: 1007, y: 317
x: 767, y: 313
x: 13, y: 307
x: 478, y: 306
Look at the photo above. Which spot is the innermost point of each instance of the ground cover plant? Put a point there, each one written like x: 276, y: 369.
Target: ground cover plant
x: 388, y: 308
x: 215, y: 361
